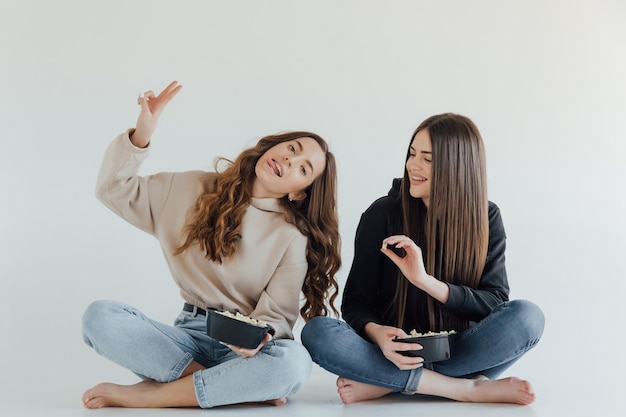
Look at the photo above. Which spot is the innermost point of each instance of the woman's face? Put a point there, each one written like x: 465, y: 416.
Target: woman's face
x: 288, y: 168
x: 419, y: 166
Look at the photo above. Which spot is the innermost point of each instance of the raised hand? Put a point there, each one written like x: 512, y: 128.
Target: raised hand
x: 151, y: 108
x: 412, y: 267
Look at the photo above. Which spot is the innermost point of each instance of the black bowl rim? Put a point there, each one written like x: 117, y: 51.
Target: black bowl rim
x: 215, y: 312
x: 417, y: 339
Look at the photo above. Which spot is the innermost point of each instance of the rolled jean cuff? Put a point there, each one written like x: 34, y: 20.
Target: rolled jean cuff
x: 198, y: 385
x: 411, y: 384
x: 180, y: 367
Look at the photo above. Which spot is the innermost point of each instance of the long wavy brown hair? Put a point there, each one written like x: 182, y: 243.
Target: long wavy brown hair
x: 216, y: 221
x: 453, y: 232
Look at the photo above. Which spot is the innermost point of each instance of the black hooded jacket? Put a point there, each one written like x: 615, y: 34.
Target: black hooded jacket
x: 370, y: 287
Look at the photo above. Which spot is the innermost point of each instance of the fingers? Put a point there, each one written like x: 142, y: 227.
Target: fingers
x: 391, y: 349
x: 401, y: 346
x: 391, y: 255
x: 394, y: 354
x: 403, y: 248
x: 399, y: 241
x: 394, y: 345
x: 169, y: 92
x: 174, y: 85
x: 142, y: 100
x: 398, y: 332
x: 238, y: 350
x: 406, y: 362
x: 148, y: 100
x: 248, y: 353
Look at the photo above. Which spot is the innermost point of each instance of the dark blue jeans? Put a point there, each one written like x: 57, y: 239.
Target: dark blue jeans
x: 487, y: 348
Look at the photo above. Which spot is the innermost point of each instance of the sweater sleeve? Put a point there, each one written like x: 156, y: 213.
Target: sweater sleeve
x: 136, y: 199
x: 493, y: 288
x: 279, y: 301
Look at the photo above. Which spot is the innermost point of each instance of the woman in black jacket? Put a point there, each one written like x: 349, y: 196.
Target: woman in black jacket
x: 429, y: 257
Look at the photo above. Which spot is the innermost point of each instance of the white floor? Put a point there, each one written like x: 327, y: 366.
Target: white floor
x: 45, y: 368
x: 317, y: 398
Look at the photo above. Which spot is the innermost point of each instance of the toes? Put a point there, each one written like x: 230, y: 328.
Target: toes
x: 344, y: 397
x: 341, y: 382
x: 86, y: 397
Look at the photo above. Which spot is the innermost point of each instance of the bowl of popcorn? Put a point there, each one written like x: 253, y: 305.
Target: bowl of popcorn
x: 236, y: 329
x: 435, y: 345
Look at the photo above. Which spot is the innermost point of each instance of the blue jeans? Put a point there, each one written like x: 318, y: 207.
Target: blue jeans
x: 487, y: 348
x: 153, y: 350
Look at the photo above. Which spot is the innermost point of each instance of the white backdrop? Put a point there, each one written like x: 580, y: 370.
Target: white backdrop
x: 545, y: 81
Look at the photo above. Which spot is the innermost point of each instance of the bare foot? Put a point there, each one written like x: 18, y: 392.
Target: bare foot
x: 114, y: 395
x: 145, y: 394
x: 477, y: 390
x: 352, y: 391
x: 149, y: 394
x: 508, y: 390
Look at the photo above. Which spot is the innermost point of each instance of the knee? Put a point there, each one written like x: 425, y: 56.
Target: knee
x: 295, y: 367
x: 529, y: 318
x: 96, y: 319
x: 315, y: 331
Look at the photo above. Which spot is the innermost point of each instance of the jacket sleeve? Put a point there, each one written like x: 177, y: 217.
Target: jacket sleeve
x: 361, y: 297
x: 493, y: 288
x: 136, y: 199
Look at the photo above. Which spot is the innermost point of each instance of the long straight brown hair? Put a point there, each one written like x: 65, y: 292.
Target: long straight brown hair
x: 453, y: 232
x: 215, y: 223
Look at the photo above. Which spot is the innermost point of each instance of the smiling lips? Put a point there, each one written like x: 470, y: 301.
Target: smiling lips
x: 276, y: 167
x: 417, y: 180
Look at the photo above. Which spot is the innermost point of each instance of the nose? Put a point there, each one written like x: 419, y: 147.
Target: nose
x: 414, y: 167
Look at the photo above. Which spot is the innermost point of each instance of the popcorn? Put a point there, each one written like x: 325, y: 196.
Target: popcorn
x: 414, y: 333
x: 241, y: 317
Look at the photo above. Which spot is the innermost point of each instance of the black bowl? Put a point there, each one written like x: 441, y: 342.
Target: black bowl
x: 435, y: 348
x: 234, y: 331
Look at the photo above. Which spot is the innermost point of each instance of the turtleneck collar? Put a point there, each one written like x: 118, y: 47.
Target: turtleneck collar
x: 267, y: 204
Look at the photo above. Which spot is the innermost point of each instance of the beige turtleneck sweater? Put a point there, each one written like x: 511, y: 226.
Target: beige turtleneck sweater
x: 264, y: 278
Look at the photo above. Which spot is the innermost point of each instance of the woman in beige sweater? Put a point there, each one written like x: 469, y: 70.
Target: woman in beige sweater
x: 249, y: 239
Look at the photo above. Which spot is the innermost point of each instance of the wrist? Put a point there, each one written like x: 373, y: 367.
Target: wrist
x: 423, y: 281
x: 137, y: 139
x: 437, y: 289
x: 371, y: 330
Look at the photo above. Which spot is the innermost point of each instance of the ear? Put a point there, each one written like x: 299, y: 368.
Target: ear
x: 297, y: 196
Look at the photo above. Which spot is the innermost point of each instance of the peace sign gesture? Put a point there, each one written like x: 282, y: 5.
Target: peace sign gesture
x: 151, y: 108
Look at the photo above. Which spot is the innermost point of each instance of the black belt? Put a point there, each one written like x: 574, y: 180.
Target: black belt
x: 194, y: 309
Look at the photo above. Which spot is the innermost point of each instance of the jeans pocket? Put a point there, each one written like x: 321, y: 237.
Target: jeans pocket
x: 181, y: 319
